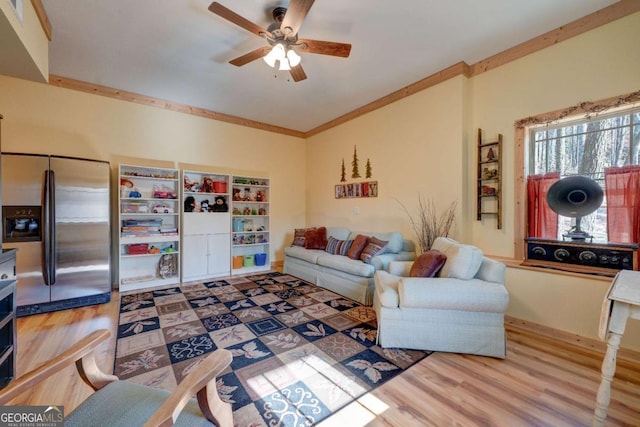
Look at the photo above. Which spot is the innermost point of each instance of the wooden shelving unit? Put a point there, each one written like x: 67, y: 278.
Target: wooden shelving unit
x: 489, y: 181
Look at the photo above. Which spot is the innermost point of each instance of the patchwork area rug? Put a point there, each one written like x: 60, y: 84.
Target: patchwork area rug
x: 300, y: 352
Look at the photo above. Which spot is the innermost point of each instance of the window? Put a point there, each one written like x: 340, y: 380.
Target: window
x: 586, y: 147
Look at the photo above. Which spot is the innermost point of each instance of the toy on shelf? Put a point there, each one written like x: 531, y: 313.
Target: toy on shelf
x: 220, y: 205
x: 163, y: 193
x: 189, y: 204
x: 162, y: 209
x: 207, y: 185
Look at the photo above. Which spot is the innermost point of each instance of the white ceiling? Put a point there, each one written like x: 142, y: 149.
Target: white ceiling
x: 177, y: 50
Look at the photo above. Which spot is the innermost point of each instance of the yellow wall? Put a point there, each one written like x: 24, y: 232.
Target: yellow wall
x: 39, y: 118
x: 426, y: 144
x: 412, y: 144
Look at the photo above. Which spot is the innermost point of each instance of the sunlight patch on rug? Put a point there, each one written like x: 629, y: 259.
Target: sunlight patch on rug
x: 300, y: 352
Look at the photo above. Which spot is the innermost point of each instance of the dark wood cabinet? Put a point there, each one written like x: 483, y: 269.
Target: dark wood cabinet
x: 7, y: 331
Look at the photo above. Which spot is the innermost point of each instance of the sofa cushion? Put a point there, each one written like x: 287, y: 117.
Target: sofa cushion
x: 346, y: 265
x: 315, y: 238
x: 396, y: 242
x: 298, y: 236
x: 359, y: 243
x: 337, y: 247
x: 339, y: 233
x: 309, y: 255
x: 463, y: 261
x: 374, y: 247
x: 452, y: 294
x: 491, y: 271
x: 428, y: 264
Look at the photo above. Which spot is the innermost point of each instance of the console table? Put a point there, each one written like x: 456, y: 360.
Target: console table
x: 622, y: 302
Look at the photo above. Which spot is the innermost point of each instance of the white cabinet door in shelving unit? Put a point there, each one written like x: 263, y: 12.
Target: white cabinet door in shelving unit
x: 206, y: 245
x: 195, y: 257
x: 149, y: 221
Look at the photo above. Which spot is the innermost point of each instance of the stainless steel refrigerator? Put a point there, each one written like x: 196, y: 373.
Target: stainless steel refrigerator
x: 56, y: 212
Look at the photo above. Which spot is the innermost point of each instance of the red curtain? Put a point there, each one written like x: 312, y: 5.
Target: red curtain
x: 542, y: 221
x: 622, y: 189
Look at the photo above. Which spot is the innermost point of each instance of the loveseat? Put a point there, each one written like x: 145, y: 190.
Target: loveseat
x: 352, y: 278
x: 461, y: 310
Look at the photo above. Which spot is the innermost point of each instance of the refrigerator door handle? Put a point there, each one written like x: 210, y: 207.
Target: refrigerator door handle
x: 48, y: 237
x: 52, y: 227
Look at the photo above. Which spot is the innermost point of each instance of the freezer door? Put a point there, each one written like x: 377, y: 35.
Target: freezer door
x: 22, y: 183
x: 82, y: 228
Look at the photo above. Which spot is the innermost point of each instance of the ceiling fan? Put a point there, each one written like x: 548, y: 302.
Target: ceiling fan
x: 282, y: 36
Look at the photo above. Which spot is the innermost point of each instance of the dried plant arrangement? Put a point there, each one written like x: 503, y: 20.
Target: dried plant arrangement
x: 428, y: 225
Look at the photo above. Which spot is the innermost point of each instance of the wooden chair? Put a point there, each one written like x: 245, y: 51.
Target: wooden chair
x: 123, y: 403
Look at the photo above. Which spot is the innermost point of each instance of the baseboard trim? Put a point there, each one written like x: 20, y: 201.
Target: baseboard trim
x: 569, y: 338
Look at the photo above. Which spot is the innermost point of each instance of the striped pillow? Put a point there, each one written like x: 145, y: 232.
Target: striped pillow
x: 374, y: 247
x: 338, y: 247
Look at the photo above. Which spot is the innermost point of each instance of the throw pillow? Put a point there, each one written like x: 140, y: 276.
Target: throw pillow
x: 338, y: 247
x: 358, y: 245
x: 428, y: 264
x: 374, y: 247
x: 315, y: 238
x: 298, y: 236
x: 463, y: 261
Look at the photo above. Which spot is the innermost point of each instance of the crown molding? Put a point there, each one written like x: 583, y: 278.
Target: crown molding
x: 67, y: 83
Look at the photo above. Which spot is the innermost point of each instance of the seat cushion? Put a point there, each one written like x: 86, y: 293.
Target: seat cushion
x: 309, y: 255
x: 452, y: 294
x: 126, y: 404
x: 346, y: 265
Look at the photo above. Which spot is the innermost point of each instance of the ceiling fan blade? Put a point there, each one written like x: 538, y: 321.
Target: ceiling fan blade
x: 233, y: 17
x: 326, y: 48
x: 297, y: 73
x: 296, y: 12
x: 251, y: 56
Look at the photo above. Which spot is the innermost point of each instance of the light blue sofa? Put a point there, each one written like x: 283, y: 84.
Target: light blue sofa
x: 343, y: 275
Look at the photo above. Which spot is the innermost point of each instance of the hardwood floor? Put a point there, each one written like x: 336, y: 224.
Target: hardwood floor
x: 542, y: 382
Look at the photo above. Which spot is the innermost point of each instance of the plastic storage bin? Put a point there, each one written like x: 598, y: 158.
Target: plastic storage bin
x: 219, y: 186
x: 237, y: 261
x: 249, y: 261
x: 261, y: 259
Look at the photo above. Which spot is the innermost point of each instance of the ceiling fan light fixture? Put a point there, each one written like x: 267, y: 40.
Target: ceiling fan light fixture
x: 284, y: 65
x: 270, y: 59
x: 293, y: 57
x: 277, y: 53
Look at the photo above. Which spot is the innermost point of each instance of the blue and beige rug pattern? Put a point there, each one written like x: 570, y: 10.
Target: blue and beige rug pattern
x: 300, y: 352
